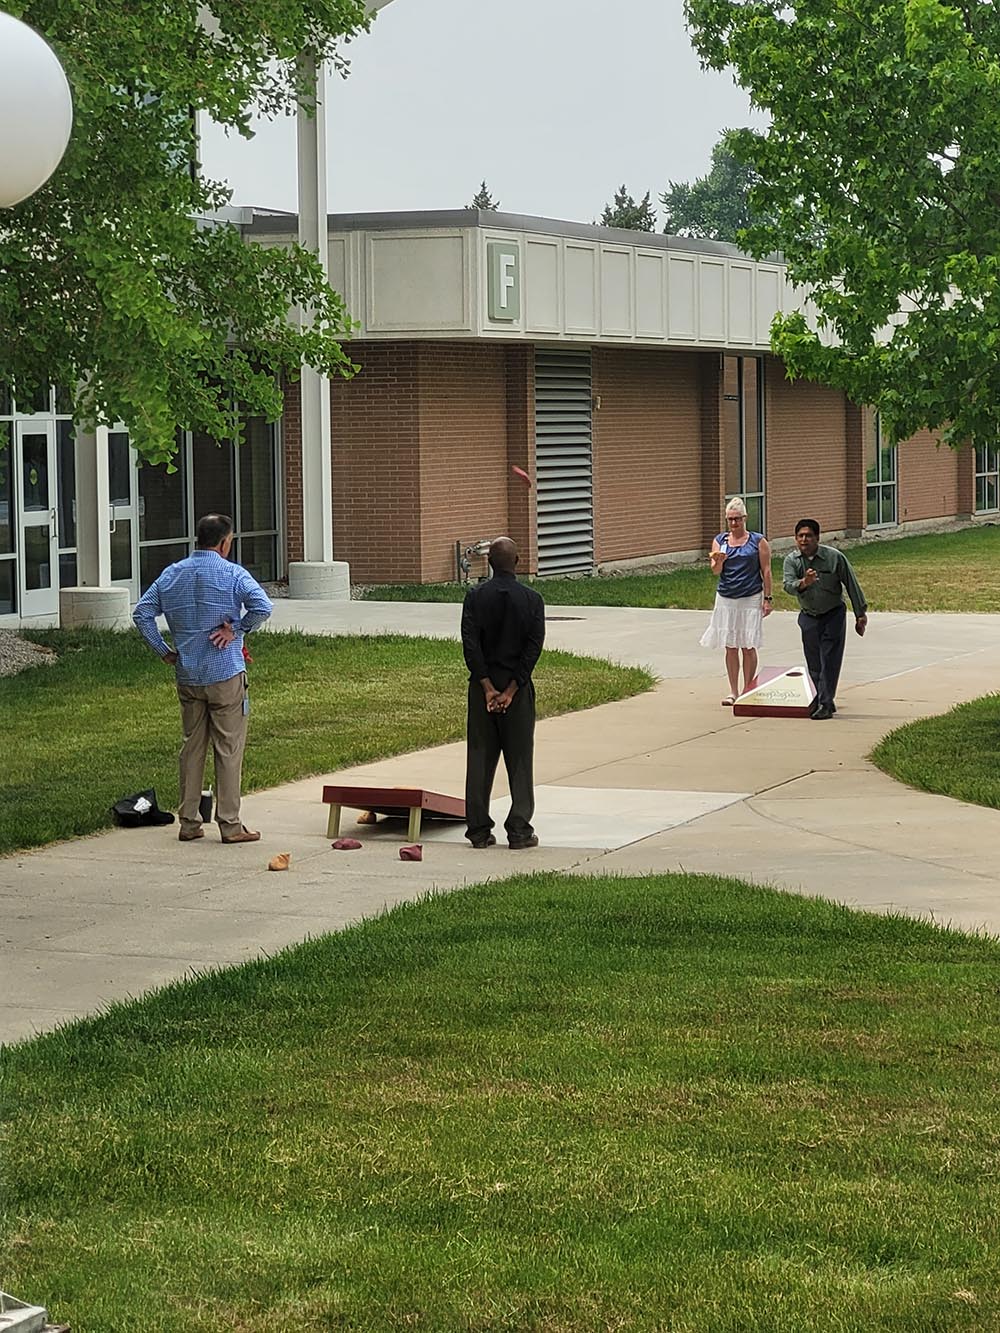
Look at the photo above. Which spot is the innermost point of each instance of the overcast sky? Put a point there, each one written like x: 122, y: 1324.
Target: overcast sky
x: 554, y: 102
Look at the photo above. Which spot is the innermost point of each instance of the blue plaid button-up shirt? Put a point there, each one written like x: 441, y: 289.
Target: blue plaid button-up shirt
x: 196, y: 596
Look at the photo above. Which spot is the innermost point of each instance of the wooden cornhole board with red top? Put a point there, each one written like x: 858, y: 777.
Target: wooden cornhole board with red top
x: 402, y: 802
x: 777, y: 692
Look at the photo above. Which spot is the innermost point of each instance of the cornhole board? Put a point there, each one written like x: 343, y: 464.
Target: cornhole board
x: 777, y: 692
x: 402, y: 802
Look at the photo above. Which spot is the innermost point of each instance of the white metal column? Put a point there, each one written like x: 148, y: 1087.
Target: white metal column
x: 317, y: 494
x: 93, y: 509
x: 317, y: 574
x: 95, y: 601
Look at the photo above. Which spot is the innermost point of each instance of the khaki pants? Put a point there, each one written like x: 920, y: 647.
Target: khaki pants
x: 213, y: 712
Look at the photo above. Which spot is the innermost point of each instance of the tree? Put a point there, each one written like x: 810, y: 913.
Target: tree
x: 716, y: 206
x: 879, y: 179
x: 108, y: 280
x: 625, y: 212
x: 483, y: 199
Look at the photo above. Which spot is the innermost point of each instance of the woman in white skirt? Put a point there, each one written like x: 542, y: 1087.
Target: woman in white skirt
x: 741, y: 561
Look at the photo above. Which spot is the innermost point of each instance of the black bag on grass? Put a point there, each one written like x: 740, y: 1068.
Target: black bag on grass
x: 139, y: 810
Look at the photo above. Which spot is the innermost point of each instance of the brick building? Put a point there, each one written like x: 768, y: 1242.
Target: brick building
x: 627, y: 374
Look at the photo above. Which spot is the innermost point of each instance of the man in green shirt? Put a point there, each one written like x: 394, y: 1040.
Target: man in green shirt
x: 818, y: 576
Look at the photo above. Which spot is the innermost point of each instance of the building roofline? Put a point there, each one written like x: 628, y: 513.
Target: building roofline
x: 268, y: 223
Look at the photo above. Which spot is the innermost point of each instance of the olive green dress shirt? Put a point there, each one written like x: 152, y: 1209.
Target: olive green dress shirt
x: 835, y: 575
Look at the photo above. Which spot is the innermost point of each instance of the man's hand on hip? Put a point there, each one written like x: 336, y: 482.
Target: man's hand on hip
x: 223, y: 636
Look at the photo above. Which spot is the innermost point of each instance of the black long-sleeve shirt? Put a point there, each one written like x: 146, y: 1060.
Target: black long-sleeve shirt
x: 503, y: 629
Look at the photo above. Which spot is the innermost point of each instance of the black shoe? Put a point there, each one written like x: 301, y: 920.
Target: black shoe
x: 480, y: 843
x: 520, y: 844
x: 833, y: 708
x: 821, y: 715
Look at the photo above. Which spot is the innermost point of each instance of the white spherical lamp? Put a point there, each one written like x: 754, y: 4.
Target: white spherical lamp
x: 36, y: 111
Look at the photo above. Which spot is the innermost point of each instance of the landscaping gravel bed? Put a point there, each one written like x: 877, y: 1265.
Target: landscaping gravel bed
x: 17, y: 653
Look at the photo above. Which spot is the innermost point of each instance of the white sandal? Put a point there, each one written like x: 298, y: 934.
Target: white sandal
x: 729, y: 700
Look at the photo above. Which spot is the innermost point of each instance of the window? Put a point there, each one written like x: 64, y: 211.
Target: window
x: 743, y: 433
x: 880, y: 478
x: 219, y: 477
x: 257, y: 512
x: 8, y: 557
x: 66, y: 469
x: 38, y: 492
x: 987, y: 479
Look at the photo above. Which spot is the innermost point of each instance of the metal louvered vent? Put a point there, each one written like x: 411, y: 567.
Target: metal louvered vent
x: 564, y: 461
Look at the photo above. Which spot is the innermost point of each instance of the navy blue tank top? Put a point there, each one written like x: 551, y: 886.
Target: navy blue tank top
x: 741, y: 576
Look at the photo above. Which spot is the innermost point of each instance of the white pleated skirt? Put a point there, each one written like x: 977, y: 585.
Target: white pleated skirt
x: 737, y: 622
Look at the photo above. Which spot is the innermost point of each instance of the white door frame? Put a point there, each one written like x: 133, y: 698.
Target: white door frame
x: 125, y: 510
x: 37, y: 603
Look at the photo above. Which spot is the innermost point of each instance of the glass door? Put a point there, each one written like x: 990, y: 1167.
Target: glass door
x: 122, y: 488
x: 35, y: 457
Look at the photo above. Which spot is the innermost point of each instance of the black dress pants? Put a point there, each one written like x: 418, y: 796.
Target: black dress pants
x: 489, y: 735
x: 823, y: 639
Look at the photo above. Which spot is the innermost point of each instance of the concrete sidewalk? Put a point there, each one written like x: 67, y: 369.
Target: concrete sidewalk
x: 666, y: 781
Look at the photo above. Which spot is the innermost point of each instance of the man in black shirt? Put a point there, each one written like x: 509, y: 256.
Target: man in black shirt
x: 503, y: 629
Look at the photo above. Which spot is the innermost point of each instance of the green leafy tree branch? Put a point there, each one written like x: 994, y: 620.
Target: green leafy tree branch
x: 879, y: 180
x: 716, y: 206
x: 112, y: 278
x: 625, y: 211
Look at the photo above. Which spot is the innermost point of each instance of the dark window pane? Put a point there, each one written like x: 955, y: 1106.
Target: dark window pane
x: 163, y: 501
x: 6, y: 498
x: 259, y: 556
x: 873, y: 499
x: 66, y: 482
x: 753, y: 478
x: 214, y: 491
x: 6, y: 402
x: 35, y: 471
x: 991, y: 490
x: 888, y: 504
x: 37, y: 563
x: 119, y: 468
x: 153, y: 560
x: 64, y: 401
x: 731, y: 426
x: 8, y: 588
x: 121, y: 549
x: 871, y: 434
x: 40, y: 402
x: 67, y: 569
x: 888, y: 463
x: 258, y: 501
x: 755, y: 513
x: 980, y: 494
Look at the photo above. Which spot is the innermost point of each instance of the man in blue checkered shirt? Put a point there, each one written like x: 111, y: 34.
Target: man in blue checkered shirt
x: 209, y: 603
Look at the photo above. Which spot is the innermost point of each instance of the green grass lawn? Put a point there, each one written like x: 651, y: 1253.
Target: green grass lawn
x: 956, y: 754
x: 944, y: 572
x: 104, y: 720
x: 550, y: 1103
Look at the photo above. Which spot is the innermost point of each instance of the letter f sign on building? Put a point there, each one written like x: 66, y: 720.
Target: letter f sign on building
x: 503, y: 260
